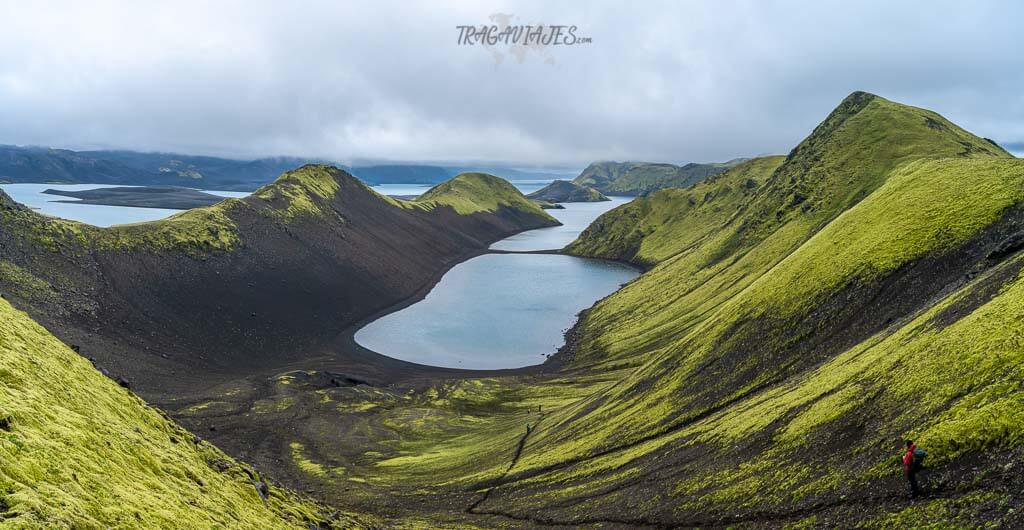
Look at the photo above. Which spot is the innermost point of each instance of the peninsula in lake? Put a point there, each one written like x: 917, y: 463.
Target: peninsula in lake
x: 170, y: 197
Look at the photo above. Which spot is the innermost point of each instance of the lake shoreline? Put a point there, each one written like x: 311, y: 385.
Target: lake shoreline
x: 568, y: 291
x: 346, y: 339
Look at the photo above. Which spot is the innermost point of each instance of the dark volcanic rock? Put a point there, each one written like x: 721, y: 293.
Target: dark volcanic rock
x: 262, y: 489
x: 1007, y: 246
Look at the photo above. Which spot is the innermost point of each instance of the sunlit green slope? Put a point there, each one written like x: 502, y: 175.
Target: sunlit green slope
x: 808, y: 303
x: 846, y: 157
x: 78, y: 451
x: 712, y: 259
x: 801, y: 317
x: 650, y: 229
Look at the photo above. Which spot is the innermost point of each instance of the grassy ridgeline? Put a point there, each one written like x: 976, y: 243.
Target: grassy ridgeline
x: 301, y: 194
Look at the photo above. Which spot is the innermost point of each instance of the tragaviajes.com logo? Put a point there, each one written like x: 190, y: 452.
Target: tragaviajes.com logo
x: 520, y: 40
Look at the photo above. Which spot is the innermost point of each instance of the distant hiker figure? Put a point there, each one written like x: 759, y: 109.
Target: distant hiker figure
x: 912, y: 461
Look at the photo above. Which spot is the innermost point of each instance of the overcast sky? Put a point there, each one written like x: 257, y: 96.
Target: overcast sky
x: 674, y: 81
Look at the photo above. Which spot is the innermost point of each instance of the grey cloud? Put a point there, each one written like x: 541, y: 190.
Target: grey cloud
x: 672, y: 81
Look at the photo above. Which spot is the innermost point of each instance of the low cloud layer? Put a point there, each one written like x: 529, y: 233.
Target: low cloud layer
x: 673, y: 81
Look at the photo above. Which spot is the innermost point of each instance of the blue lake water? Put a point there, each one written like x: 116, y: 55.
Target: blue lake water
x: 503, y: 310
x: 402, y: 190
x: 496, y: 311
x: 32, y: 195
x: 575, y: 218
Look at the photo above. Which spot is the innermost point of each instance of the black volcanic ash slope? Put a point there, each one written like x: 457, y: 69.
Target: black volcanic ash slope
x: 246, y: 283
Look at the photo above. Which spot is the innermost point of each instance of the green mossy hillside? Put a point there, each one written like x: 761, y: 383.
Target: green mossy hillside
x: 844, y: 159
x: 649, y: 229
x: 953, y: 388
x: 926, y: 208
x: 802, y: 315
x: 197, y: 231
x: 470, y: 193
x: 724, y: 330
x: 302, y: 191
x: 78, y: 451
x: 848, y: 156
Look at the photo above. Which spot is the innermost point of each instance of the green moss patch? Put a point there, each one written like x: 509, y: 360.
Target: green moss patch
x: 77, y: 451
x: 470, y: 193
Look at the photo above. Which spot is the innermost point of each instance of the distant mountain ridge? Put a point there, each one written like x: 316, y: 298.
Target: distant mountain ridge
x: 641, y: 178
x: 29, y: 164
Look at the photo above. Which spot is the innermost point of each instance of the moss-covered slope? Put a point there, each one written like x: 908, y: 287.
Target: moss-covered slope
x: 738, y: 422
x: 865, y: 289
x: 813, y: 303
x: 649, y: 229
x: 846, y: 157
x: 469, y: 193
x: 566, y: 191
x: 78, y: 451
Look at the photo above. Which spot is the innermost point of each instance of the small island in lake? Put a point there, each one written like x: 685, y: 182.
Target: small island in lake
x: 565, y: 191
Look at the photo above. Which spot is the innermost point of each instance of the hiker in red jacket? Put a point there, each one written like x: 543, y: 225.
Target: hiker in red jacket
x: 911, y: 465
